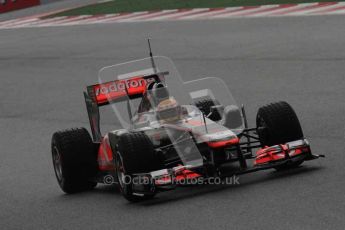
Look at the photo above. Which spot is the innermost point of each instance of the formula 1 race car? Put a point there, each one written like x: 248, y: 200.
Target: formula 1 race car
x: 159, y: 130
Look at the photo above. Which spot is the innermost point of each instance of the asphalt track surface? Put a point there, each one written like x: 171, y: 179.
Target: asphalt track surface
x: 297, y: 59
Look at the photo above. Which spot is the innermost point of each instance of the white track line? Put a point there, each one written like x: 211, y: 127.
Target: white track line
x: 19, y: 23
x: 4, y: 23
x: 334, y: 8
x: 163, y: 13
x: 71, y: 19
x: 296, y: 7
x: 77, y: 21
x: 123, y: 16
x: 338, y: 12
x: 300, y: 8
x: 325, y: 7
x: 91, y: 20
x: 206, y: 14
x: 178, y: 14
x: 273, y: 10
x: 183, y: 14
x: 190, y: 14
x: 148, y: 15
x: 263, y: 11
x: 244, y: 13
x: 45, y: 21
x: 235, y: 11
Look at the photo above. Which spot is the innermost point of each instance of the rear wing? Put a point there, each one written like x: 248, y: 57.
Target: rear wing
x: 115, y: 91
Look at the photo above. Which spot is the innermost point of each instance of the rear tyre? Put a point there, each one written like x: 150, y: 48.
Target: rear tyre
x: 277, y: 123
x: 205, y: 106
x: 74, y: 159
x: 135, y: 154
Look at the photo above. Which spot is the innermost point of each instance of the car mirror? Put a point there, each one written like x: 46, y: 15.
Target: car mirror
x: 215, y: 109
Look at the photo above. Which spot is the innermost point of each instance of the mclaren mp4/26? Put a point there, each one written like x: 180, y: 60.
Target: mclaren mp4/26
x: 160, y: 130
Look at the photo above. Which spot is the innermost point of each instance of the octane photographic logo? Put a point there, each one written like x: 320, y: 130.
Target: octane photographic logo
x: 171, y: 180
x: 109, y: 179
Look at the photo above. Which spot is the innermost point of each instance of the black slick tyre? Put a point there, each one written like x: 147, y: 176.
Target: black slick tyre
x: 74, y: 160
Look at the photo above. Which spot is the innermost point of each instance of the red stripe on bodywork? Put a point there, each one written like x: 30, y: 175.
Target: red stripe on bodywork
x: 219, y: 144
x: 105, y: 156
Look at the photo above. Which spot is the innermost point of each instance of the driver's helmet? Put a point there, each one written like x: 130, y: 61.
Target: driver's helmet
x: 158, y: 92
x: 168, y: 110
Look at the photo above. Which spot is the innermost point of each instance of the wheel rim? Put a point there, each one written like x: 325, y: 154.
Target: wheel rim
x: 262, y: 124
x: 120, y: 172
x: 57, y: 163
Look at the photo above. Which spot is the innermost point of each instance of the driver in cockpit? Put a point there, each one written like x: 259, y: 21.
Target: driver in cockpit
x: 166, y: 107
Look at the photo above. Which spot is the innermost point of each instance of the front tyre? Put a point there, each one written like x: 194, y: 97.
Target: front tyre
x: 74, y: 160
x: 135, y: 154
x: 277, y: 123
x: 205, y: 107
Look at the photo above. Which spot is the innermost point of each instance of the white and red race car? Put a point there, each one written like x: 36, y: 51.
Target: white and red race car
x: 159, y: 130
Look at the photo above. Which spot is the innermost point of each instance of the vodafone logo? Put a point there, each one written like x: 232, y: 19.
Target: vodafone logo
x: 132, y: 85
